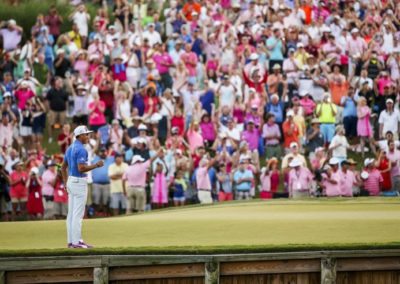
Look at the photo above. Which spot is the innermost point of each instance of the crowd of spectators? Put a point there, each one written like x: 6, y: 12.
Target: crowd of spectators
x: 201, y: 101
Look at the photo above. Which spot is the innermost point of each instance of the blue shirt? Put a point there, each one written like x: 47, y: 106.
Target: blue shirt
x: 76, y: 154
x: 242, y: 175
x: 100, y: 175
x: 276, y: 110
x: 349, y: 108
x: 276, y: 52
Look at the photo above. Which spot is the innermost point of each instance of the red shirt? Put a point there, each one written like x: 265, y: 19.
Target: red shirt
x: 289, y: 138
x: 60, y: 138
x: 178, y: 121
x: 19, y: 189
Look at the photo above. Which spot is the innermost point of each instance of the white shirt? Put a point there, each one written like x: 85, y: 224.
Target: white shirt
x: 189, y: 100
x: 389, y: 121
x: 81, y: 20
x: 341, y: 151
x: 153, y: 37
x: 227, y: 96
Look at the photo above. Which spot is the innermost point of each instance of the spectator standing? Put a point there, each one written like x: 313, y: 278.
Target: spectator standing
x: 18, y: 192
x: 35, y: 204
x: 243, y: 179
x: 101, y: 182
x: 299, y: 181
x: 115, y: 173
x: 49, y: 178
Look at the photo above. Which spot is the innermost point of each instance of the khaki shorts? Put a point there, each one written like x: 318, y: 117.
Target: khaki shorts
x: 100, y: 193
x: 17, y: 200
x: 136, y: 198
x: 54, y: 117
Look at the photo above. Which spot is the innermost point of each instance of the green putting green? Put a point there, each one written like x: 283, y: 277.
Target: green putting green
x: 234, y: 226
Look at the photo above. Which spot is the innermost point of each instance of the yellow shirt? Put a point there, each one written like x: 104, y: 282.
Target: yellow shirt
x: 116, y: 184
x: 301, y: 124
x: 326, y: 115
x: 76, y: 38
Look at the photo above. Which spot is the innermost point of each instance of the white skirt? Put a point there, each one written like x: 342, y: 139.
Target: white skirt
x: 25, y: 131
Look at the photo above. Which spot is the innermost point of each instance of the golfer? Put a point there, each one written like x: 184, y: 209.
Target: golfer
x: 76, y: 159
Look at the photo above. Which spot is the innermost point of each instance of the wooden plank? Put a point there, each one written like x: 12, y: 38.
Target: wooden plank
x: 100, y: 275
x: 140, y: 260
x: 157, y: 271
x: 328, y: 271
x: 31, y: 263
x: 368, y: 264
x: 267, y: 267
x: 211, y: 273
x: 189, y: 280
x: 50, y: 276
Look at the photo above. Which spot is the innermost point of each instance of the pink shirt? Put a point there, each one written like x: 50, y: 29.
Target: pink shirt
x: 135, y: 175
x: 202, y: 178
x: 48, y: 178
x: 394, y: 157
x: 97, y: 117
x: 373, y: 181
x: 160, y: 60
x: 308, y: 105
x: 355, y: 46
x: 207, y: 131
x: 6, y: 135
x: 330, y: 188
x: 195, y: 140
x: 251, y: 138
x: 300, y: 180
x: 382, y: 83
x: 347, y: 180
x: 23, y: 96
x: 190, y: 60
x: 265, y: 182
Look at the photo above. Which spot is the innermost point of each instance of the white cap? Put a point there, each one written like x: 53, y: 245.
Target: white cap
x: 333, y: 161
x: 306, y: 67
x: 252, y: 90
x: 35, y: 171
x: 155, y: 118
x: 290, y: 113
x: 142, y: 127
x: 137, y: 158
x: 326, y: 29
x: 6, y: 94
x: 60, y: 51
x: 295, y: 163
x: 364, y: 175
x: 368, y: 161
x: 355, y: 30
x: 300, y: 44
x: 303, y: 93
x: 81, y: 129
x: 389, y: 101
x: 276, y: 66
x: 253, y: 56
x: 12, y: 22
x: 293, y: 144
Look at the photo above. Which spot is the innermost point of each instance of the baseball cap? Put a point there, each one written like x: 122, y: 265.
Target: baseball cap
x: 81, y: 129
x: 7, y: 94
x: 389, y: 101
x: 137, y: 158
x: 293, y: 145
x: 35, y: 171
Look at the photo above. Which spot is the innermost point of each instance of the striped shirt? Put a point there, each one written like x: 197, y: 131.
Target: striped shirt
x: 373, y: 181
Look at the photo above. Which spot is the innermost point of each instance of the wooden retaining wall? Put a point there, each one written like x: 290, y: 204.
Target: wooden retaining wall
x: 326, y: 267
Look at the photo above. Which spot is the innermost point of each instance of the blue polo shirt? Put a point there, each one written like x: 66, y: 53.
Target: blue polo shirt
x: 244, y: 186
x: 100, y: 175
x: 76, y: 154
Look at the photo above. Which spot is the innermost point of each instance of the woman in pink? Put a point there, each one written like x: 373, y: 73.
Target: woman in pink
x: 307, y: 104
x: 96, y: 115
x: 331, y: 181
x: 194, y: 137
x: 23, y: 94
x: 364, y: 129
x: 116, y: 136
x: 269, y: 179
x: 207, y: 130
x: 212, y: 63
x: 60, y: 198
x: 49, y: 179
x: 82, y: 65
x: 159, y: 196
x: 119, y: 69
x: 239, y: 110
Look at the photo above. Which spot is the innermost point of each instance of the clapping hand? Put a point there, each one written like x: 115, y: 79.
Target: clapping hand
x: 100, y: 163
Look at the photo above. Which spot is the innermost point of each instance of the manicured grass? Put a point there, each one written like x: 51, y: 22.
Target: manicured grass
x: 278, y: 225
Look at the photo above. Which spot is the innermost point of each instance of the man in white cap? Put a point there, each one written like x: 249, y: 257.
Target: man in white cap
x: 293, y: 154
x: 134, y: 182
x: 74, y: 169
x: 300, y: 179
x: 389, y: 120
x: 290, y: 130
x: 152, y: 35
x: 332, y: 179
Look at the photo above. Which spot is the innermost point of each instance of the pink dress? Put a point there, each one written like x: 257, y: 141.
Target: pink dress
x: 160, y: 189
x: 363, y: 124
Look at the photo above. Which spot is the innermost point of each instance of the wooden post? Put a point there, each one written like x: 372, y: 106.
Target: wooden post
x: 100, y: 275
x: 212, y: 272
x: 328, y: 270
x: 2, y: 277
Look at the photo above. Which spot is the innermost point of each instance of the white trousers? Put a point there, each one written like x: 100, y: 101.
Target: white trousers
x: 77, y: 189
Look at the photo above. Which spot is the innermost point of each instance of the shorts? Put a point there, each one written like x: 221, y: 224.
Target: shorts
x: 136, y: 196
x: 243, y: 195
x: 118, y: 199
x: 39, y: 124
x: 225, y: 196
x: 328, y: 131
x: 101, y: 193
x: 25, y: 131
x: 19, y: 199
x: 180, y: 199
x: 54, y: 117
x: 205, y: 196
x: 49, y: 206
x: 60, y: 208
